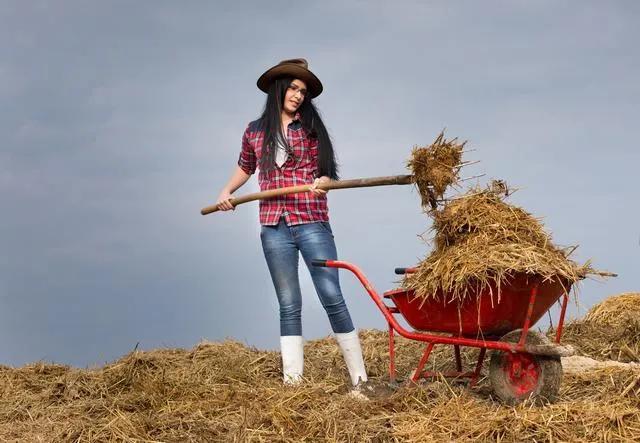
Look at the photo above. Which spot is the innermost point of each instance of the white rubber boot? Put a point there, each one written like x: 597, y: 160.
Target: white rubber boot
x: 352, y: 352
x: 292, y: 349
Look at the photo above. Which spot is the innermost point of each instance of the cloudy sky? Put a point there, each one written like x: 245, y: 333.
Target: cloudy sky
x: 120, y: 120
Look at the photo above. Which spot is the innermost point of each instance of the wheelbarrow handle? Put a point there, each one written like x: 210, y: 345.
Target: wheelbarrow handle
x: 333, y: 184
x: 402, y: 271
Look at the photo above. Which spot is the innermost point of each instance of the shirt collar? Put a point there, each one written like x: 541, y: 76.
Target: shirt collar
x: 296, y: 121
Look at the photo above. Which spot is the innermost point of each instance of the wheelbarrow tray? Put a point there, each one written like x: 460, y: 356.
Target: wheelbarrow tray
x: 489, y: 312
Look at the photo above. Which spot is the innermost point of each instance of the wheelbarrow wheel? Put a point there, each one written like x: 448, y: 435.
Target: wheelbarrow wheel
x: 516, y: 377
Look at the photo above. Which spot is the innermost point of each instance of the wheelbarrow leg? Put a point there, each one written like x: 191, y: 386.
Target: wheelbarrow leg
x: 456, y: 350
x: 562, y: 313
x: 423, y: 360
x: 476, y: 373
x: 527, y: 320
x: 392, y: 355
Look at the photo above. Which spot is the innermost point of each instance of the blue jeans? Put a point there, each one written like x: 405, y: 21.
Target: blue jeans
x: 281, y: 244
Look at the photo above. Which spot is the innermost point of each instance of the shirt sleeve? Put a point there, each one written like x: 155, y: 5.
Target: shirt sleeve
x: 247, y: 159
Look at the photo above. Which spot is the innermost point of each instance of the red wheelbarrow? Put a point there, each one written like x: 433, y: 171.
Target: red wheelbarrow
x: 524, y: 364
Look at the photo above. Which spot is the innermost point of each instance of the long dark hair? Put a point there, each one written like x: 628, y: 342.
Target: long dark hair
x: 271, y: 122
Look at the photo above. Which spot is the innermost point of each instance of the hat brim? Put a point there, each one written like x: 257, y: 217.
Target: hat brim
x: 314, y: 86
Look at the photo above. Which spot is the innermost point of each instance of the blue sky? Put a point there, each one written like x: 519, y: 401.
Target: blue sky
x: 122, y: 119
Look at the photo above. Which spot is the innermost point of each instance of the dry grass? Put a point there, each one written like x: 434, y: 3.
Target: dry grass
x: 228, y: 392
x: 435, y: 168
x: 619, y: 310
x: 610, y: 330
x: 481, y: 240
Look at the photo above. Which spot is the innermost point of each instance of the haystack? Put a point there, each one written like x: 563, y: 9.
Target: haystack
x: 617, y: 311
x: 481, y: 240
x: 610, y: 330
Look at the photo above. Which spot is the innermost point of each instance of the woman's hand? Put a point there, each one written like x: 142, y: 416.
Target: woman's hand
x: 320, y: 180
x: 224, y: 203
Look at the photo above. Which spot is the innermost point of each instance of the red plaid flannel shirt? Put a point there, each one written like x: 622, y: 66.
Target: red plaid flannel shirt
x: 300, y: 168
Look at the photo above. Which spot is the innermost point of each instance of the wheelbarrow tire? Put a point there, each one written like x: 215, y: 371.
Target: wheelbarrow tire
x: 516, y: 377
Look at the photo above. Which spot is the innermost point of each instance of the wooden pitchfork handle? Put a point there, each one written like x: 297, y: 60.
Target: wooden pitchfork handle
x: 333, y: 184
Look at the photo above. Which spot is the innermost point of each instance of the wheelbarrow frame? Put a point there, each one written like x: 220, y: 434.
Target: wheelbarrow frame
x: 483, y: 343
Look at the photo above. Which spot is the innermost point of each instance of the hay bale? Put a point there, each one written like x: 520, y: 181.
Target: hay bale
x: 435, y: 168
x: 481, y: 240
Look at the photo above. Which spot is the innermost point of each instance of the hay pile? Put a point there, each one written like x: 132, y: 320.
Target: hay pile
x: 435, y: 168
x: 481, y: 240
x: 227, y: 392
x: 610, y: 330
x: 618, y: 311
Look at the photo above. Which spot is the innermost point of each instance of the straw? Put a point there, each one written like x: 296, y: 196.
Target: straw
x: 226, y: 391
x: 610, y: 330
x: 480, y: 240
x: 436, y: 167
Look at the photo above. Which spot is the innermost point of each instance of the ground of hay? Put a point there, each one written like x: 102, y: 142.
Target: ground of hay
x: 228, y: 392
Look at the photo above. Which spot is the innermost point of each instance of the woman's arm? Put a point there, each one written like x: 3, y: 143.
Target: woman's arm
x: 238, y: 179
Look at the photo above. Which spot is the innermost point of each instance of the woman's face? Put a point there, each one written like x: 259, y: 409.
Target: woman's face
x: 296, y: 92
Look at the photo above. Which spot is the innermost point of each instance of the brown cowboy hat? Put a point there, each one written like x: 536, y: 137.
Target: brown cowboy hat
x: 297, y: 68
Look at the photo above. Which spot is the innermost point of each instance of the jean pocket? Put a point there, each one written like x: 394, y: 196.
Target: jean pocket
x: 327, y: 227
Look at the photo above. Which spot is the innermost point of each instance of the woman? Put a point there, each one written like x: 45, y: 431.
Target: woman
x: 290, y: 145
